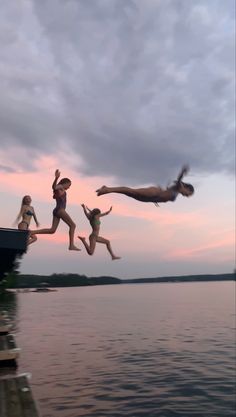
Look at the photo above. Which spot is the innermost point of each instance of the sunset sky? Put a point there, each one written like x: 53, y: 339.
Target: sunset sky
x: 121, y: 92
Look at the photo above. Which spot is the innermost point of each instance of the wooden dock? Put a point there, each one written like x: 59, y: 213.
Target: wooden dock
x: 8, y: 349
x: 13, y: 244
x: 16, y: 398
x: 5, y: 326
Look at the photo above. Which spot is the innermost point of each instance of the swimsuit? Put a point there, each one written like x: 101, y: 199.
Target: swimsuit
x: 95, y: 223
x: 61, y: 204
x: 23, y: 221
x: 174, y: 195
x: 160, y: 199
x: 29, y: 213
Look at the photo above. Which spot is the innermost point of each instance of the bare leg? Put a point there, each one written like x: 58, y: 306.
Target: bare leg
x: 148, y: 194
x: 23, y: 226
x: 32, y: 239
x: 92, y: 244
x: 121, y: 190
x: 108, y: 245
x: 67, y: 219
x: 49, y: 231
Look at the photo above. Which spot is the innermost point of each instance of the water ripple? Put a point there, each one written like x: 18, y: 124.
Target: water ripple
x: 168, y: 352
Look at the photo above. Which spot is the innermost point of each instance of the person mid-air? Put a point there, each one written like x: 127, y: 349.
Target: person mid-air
x: 153, y: 194
x: 94, y: 219
x: 59, y: 212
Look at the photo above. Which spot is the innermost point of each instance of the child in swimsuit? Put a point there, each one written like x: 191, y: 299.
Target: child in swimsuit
x: 26, y: 213
x: 59, y: 212
x: 94, y: 219
x: 154, y: 194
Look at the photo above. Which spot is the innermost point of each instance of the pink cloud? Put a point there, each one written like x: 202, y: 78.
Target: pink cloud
x: 38, y: 183
x: 167, y: 232
x: 159, y: 214
x: 211, y: 247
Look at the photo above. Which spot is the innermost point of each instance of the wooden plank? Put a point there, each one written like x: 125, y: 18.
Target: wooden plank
x: 5, y: 326
x: 8, y: 348
x: 13, y: 239
x: 12, y: 399
x: 3, y: 314
x: 27, y: 400
x: 2, y: 343
x: 11, y: 344
x: 16, y: 399
x: 2, y: 400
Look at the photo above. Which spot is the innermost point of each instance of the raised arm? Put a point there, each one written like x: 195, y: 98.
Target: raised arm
x: 86, y: 211
x: 106, y: 212
x: 183, y: 172
x: 57, y: 175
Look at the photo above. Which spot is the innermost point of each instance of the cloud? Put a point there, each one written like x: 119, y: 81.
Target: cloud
x: 7, y: 169
x: 222, y: 248
x: 132, y: 89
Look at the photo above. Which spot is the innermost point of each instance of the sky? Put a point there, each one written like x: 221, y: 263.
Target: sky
x: 121, y: 92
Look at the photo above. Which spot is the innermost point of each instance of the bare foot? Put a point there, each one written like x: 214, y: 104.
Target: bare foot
x: 32, y: 239
x: 116, y: 257
x: 101, y: 191
x: 81, y: 238
x: 73, y: 247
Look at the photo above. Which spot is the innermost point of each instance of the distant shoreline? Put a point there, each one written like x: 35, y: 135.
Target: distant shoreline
x: 76, y: 280
x: 185, y: 278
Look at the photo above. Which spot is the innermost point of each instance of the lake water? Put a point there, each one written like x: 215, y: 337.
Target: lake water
x: 150, y: 350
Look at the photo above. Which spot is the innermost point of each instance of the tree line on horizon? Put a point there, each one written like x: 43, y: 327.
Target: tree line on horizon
x: 76, y: 280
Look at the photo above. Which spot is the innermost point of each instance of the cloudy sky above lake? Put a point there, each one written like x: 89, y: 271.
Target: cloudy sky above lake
x: 121, y: 92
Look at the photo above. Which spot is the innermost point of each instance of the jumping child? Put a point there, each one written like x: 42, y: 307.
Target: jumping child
x: 94, y: 219
x: 59, y: 212
x: 154, y: 194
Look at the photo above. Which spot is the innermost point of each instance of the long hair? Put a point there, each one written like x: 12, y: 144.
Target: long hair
x: 63, y: 181
x: 186, y: 185
x: 94, y: 212
x: 23, y: 202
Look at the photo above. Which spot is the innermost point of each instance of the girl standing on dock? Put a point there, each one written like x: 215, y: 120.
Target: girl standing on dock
x: 94, y: 219
x: 59, y: 212
x: 26, y: 213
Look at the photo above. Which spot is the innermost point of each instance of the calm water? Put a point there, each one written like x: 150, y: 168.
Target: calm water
x: 129, y: 350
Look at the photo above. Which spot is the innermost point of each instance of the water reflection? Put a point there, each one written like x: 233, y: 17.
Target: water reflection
x: 8, y: 303
x: 132, y: 350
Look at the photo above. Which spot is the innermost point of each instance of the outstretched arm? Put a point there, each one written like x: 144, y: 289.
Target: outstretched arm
x: 183, y: 172
x: 106, y: 212
x: 86, y: 211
